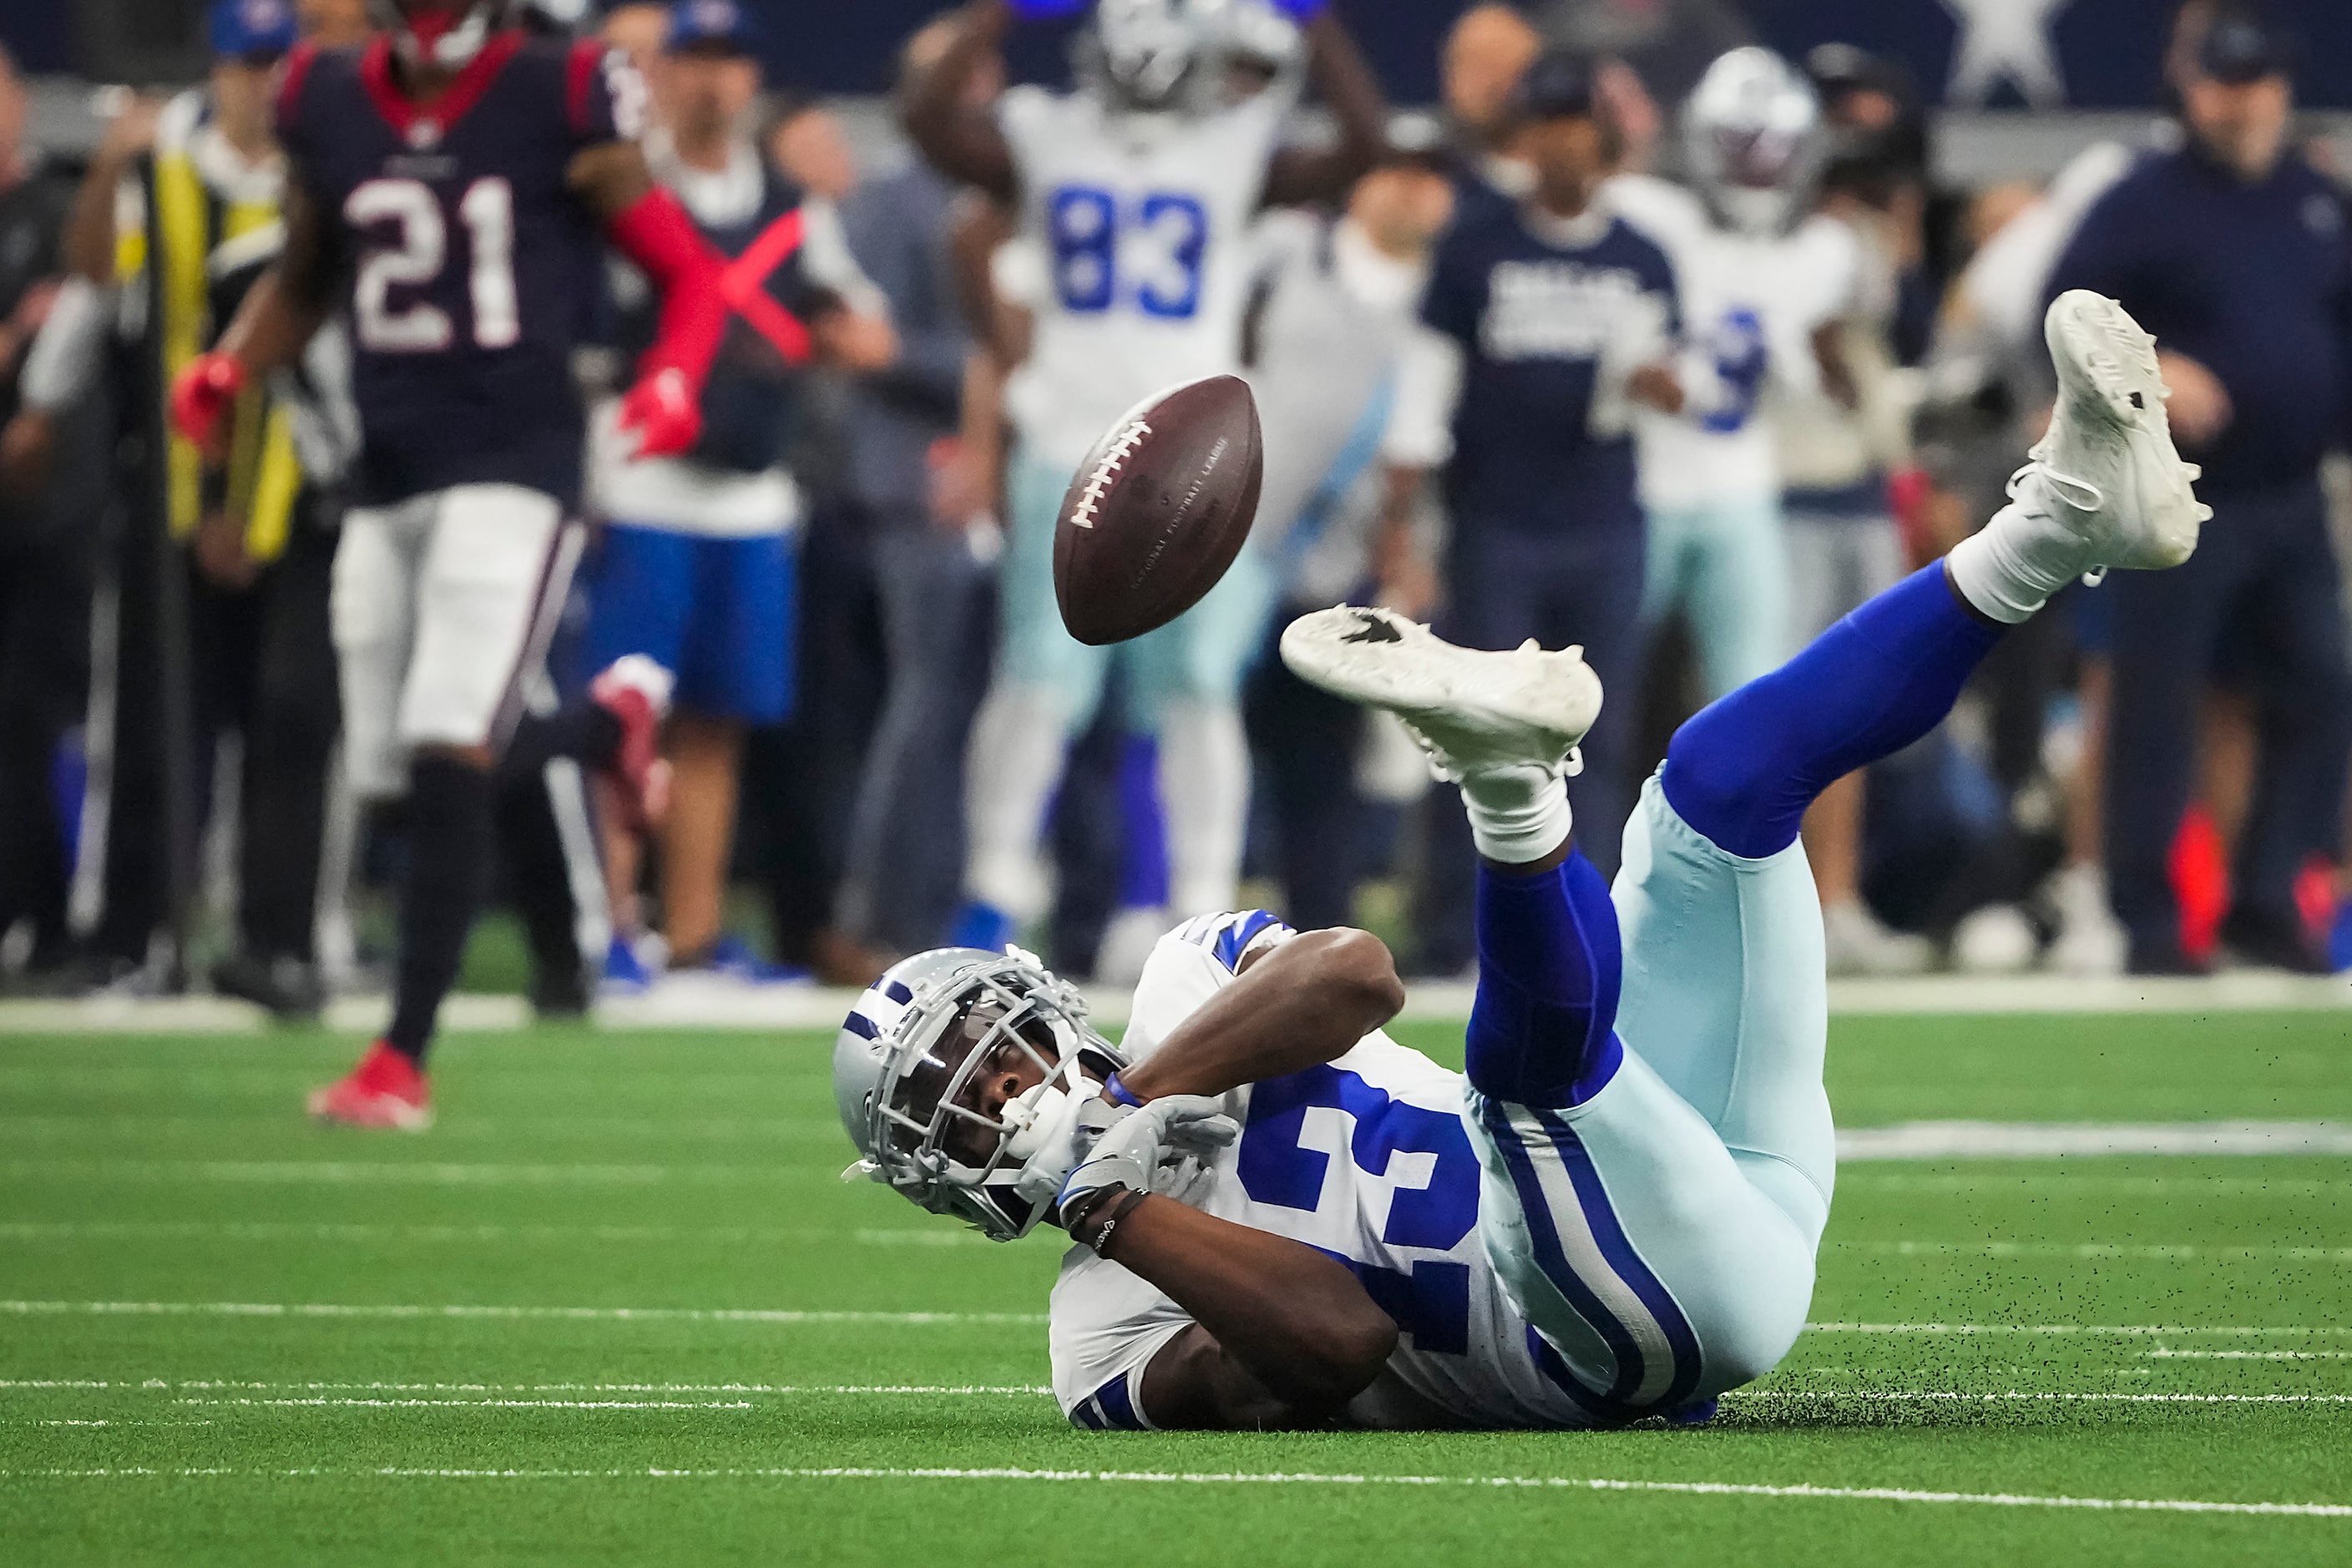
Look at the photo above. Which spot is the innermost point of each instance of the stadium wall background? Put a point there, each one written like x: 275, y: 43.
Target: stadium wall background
x: 2105, y: 51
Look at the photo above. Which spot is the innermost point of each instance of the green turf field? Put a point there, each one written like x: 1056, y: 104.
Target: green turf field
x: 617, y: 1308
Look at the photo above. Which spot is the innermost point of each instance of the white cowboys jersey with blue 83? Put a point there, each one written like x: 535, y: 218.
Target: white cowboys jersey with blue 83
x: 1366, y: 1159
x: 1140, y: 225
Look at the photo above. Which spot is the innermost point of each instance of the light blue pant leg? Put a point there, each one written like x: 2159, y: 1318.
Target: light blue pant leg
x: 1660, y: 1234
x: 1657, y: 1274
x: 1203, y: 655
x: 1724, y: 996
x: 1034, y: 649
x: 1727, y: 567
x: 1664, y: 581
x: 1740, y: 594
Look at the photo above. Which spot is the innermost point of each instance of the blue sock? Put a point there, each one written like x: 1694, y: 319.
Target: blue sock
x: 1549, y: 965
x: 1743, y: 772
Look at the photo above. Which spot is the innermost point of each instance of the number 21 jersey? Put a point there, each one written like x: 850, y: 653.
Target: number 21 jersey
x: 469, y: 266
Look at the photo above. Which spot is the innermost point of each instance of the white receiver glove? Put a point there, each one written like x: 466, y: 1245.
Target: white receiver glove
x: 1126, y: 1144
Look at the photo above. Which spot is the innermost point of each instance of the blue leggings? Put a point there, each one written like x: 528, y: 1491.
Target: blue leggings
x: 1741, y: 772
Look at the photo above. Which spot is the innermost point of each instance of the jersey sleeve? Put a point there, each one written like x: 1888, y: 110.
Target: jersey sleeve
x: 293, y: 125
x: 1025, y: 115
x: 604, y: 95
x: 1229, y: 938
x: 1456, y: 295
x: 1105, y: 1326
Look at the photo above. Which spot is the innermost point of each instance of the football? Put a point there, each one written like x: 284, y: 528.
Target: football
x: 1158, y: 510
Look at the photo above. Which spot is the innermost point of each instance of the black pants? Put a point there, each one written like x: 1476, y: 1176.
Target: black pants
x: 45, y: 593
x: 1579, y: 586
x: 2261, y: 598
x: 799, y: 778
x: 262, y: 667
x: 1305, y: 741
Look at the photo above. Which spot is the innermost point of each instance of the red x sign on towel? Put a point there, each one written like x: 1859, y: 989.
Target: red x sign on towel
x: 743, y: 284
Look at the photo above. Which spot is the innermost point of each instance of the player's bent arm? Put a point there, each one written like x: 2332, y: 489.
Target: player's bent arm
x: 1281, y: 1335
x: 646, y: 224
x: 961, y: 141
x: 1361, y: 110
x: 285, y: 305
x: 1305, y: 1003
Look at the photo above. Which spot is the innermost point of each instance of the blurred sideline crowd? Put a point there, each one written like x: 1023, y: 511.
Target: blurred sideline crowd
x: 1664, y: 346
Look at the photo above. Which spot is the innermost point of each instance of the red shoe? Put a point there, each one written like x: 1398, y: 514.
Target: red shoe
x: 384, y: 1090
x: 636, y: 691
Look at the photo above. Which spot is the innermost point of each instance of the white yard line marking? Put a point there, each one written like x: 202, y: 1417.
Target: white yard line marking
x: 780, y: 1315
x: 2038, y: 1140
x: 165, y: 1385
x: 815, y: 1008
x: 1236, y: 1478
x: 2133, y: 1329
x: 585, y: 1314
x: 2160, y: 1354
x: 415, y: 1401
x: 354, y: 1173
x: 2166, y: 1251
x: 101, y: 1122
x: 1964, y: 994
x: 252, y: 1230
x: 2029, y: 1396
x: 2083, y: 1183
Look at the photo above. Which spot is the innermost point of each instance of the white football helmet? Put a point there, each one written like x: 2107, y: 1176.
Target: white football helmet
x: 908, y: 1069
x: 444, y: 33
x: 1752, y: 130
x: 1144, y: 53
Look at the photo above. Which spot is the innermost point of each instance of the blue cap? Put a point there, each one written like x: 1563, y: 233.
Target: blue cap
x: 709, y: 23
x: 2242, y: 43
x: 241, y: 28
x: 1556, y: 85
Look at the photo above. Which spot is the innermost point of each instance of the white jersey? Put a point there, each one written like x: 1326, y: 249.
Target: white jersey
x: 1366, y: 1159
x: 1336, y: 316
x: 1737, y: 291
x: 1139, y: 223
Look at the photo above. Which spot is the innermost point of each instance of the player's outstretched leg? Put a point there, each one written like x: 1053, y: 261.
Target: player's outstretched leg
x: 1614, y: 1217
x: 452, y: 833
x: 1505, y: 727
x: 2104, y: 488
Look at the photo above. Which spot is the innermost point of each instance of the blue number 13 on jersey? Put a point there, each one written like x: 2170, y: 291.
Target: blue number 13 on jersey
x: 1145, y: 253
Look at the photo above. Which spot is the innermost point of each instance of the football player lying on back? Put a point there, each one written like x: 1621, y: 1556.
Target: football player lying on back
x: 1282, y: 1217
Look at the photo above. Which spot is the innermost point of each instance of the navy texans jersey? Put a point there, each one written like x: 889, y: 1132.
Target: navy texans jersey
x: 469, y: 264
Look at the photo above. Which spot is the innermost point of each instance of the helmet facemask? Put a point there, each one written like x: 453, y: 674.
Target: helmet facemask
x: 443, y: 34
x: 1146, y: 51
x: 1752, y: 129
x: 924, y: 1131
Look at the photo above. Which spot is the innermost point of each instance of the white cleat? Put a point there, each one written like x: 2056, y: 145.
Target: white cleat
x: 2107, y: 472
x: 1472, y: 712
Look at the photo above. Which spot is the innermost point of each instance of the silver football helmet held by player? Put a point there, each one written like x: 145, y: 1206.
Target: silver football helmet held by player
x: 922, y: 1069
x: 1152, y: 56
x: 1752, y: 132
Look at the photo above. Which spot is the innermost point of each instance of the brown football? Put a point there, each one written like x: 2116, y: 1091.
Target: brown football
x: 1158, y: 510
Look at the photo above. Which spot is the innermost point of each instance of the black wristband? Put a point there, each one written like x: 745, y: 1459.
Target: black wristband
x: 1088, y: 1206
x: 1120, y: 1211
x: 1119, y: 1205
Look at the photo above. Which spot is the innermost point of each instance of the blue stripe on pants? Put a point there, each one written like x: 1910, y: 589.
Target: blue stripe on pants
x: 1585, y: 1256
